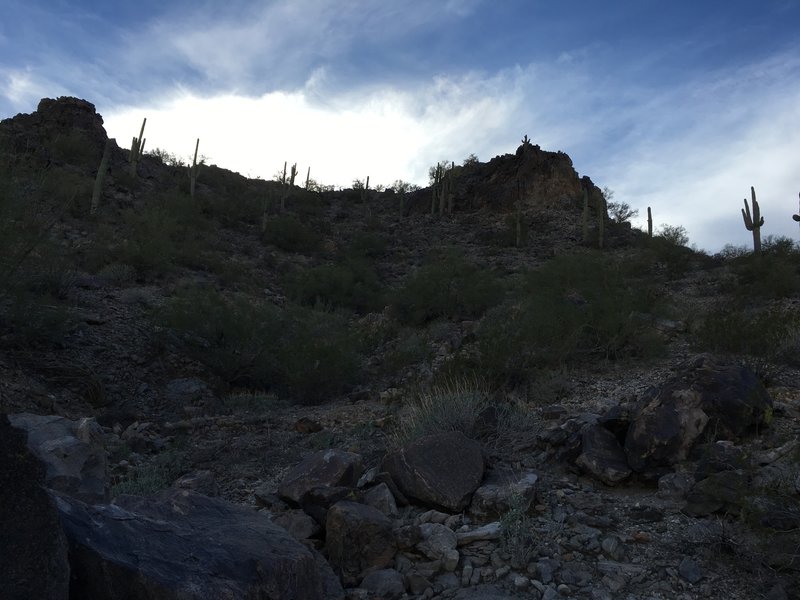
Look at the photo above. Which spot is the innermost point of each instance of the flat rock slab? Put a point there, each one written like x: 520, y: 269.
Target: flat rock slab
x: 182, y: 545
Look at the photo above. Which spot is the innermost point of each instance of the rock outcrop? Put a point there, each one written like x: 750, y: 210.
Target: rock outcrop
x: 159, y: 548
x: 73, y: 452
x: 33, y: 549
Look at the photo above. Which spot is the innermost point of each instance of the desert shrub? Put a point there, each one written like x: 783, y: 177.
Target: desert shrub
x: 448, y: 286
x: 288, y: 233
x: 34, y: 277
x: 75, y: 148
x: 366, y: 244
x: 351, y: 284
x: 455, y: 405
x: 249, y: 402
x: 572, y: 307
x: 166, y: 231
x: 408, y: 349
x: 768, y: 277
x: 764, y: 340
x: 307, y: 354
x: 155, y: 475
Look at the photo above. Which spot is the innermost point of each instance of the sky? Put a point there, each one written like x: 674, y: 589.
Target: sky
x: 676, y: 105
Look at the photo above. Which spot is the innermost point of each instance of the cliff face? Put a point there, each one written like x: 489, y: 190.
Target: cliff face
x: 64, y: 121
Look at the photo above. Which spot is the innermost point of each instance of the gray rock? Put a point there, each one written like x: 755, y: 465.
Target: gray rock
x: 359, y: 538
x: 158, y: 548
x: 675, y: 486
x: 33, y: 549
x: 202, y: 482
x: 73, y: 452
x: 381, y: 497
x: 501, y: 491
x: 298, y: 524
x: 602, y: 456
x: 437, y: 541
x: 727, y: 398
x: 326, y: 468
x: 721, y: 491
x: 385, y: 583
x: 441, y: 470
x: 690, y: 570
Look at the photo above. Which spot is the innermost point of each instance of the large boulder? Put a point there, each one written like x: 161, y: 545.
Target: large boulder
x: 705, y: 396
x: 442, y: 470
x: 182, y: 545
x: 73, y: 452
x: 359, y: 539
x: 602, y: 456
x: 33, y: 549
x: 326, y: 468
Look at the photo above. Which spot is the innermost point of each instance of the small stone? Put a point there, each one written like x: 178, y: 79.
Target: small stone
x: 690, y: 570
x: 612, y: 547
x: 502, y: 572
x: 466, y: 573
x: 521, y: 582
x: 550, y: 593
x: 563, y: 589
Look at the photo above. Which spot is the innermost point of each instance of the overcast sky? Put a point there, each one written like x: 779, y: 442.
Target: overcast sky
x: 673, y: 104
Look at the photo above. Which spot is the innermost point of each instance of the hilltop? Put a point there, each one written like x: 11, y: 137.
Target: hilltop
x: 605, y: 385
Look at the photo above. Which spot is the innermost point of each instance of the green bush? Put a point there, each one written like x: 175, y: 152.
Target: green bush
x: 448, y: 286
x: 288, y: 233
x: 366, y: 244
x: 765, y: 340
x: 770, y: 276
x: 308, y: 354
x: 352, y: 284
x: 573, y: 307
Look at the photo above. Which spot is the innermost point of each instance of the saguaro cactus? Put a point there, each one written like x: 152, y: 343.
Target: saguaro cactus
x: 287, y: 184
x: 753, y: 223
x: 649, y: 222
x: 602, y: 208
x: 137, y: 148
x: 797, y: 216
x: 193, y: 170
x: 101, y: 174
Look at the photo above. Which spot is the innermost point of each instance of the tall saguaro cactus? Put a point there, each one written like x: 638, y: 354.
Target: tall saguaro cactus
x: 797, y: 216
x: 193, y: 170
x: 137, y: 148
x: 753, y: 222
x: 101, y: 174
x: 649, y: 222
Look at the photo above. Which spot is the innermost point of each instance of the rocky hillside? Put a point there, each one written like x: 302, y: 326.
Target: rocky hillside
x: 483, y: 389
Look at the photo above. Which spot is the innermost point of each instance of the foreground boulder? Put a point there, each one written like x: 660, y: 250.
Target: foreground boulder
x: 441, y: 470
x: 602, y: 456
x: 33, y: 549
x: 706, y: 395
x: 182, y: 545
x: 73, y: 452
x: 359, y: 539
